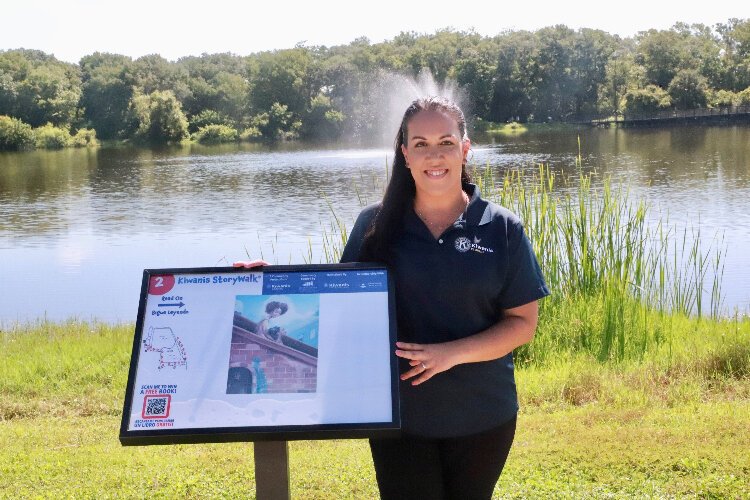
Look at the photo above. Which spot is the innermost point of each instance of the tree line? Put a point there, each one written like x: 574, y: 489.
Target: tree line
x: 317, y: 92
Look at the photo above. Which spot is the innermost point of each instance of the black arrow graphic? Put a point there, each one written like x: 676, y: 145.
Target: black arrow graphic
x: 180, y: 304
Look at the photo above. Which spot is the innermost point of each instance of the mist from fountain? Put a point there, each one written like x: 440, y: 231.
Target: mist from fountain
x: 389, y: 95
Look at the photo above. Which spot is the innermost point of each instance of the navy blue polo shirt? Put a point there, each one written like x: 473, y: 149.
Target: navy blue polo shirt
x: 449, y: 288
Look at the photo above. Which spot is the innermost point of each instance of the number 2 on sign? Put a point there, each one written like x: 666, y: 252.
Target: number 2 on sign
x: 159, y: 285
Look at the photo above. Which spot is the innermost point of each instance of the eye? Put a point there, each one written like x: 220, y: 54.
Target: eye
x: 420, y: 144
x: 447, y: 142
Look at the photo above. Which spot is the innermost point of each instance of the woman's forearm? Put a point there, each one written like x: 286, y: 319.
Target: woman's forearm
x: 515, y: 329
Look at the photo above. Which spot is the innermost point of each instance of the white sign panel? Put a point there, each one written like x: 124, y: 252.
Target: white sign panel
x: 288, y: 352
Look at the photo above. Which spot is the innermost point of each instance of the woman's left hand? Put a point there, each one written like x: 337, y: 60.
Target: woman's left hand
x: 426, y: 360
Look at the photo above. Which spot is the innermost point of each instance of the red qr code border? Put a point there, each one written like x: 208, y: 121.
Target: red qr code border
x: 153, y: 396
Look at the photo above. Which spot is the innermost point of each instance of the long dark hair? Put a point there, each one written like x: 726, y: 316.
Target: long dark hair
x: 399, y: 195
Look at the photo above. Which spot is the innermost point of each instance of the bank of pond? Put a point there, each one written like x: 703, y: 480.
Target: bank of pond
x: 15, y: 135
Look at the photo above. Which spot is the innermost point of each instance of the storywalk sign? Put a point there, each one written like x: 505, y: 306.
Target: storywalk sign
x: 278, y: 353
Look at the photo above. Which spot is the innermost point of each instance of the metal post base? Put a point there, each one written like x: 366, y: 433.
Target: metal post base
x: 272, y: 470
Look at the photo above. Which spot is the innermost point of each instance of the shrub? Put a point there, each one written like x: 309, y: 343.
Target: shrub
x: 722, y: 98
x: 251, y: 134
x: 15, y: 135
x: 157, y: 118
x: 215, y: 134
x: 208, y: 117
x: 51, y: 137
x: 85, y: 137
x: 646, y: 100
x: 743, y: 97
x: 278, y: 123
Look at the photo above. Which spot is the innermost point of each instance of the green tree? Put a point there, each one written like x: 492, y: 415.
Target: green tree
x: 702, y: 52
x: 219, y: 82
x: 735, y: 36
x: 474, y: 70
x: 661, y: 55
x: 688, y: 90
x: 555, y: 83
x: 37, y: 88
x: 322, y: 120
x: 592, y: 51
x: 107, y: 91
x: 152, y: 72
x: 621, y: 73
x: 15, y: 135
x: 282, y: 78
x: 277, y: 123
x: 514, y: 78
x: 157, y: 118
x: 650, y: 99
x: 438, y: 52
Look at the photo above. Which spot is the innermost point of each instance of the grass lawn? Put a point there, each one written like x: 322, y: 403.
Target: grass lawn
x: 586, y: 429
x: 591, y: 451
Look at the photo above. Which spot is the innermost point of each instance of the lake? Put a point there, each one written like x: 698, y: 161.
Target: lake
x: 77, y: 227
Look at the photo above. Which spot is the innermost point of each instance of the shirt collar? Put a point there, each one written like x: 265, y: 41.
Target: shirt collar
x: 478, y: 210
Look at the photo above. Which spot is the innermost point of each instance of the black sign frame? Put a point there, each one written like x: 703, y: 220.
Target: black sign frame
x: 259, y: 433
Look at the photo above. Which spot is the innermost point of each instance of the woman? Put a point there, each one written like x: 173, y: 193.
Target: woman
x: 274, y: 309
x: 467, y: 284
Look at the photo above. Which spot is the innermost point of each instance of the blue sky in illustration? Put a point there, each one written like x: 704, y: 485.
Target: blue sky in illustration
x: 300, y: 321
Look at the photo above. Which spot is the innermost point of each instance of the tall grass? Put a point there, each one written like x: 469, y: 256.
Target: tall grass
x: 618, y: 275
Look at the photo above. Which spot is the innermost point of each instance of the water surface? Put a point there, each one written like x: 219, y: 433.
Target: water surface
x: 77, y: 227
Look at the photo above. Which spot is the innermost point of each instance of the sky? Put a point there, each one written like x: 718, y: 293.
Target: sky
x: 74, y: 28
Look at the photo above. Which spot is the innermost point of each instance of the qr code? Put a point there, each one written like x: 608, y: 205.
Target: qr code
x: 156, y: 406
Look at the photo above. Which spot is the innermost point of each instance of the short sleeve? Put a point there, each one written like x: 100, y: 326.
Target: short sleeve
x: 523, y: 282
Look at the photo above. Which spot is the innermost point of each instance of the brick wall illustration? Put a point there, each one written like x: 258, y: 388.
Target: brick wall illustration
x: 260, y: 365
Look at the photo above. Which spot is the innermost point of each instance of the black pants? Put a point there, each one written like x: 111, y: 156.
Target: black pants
x: 465, y: 467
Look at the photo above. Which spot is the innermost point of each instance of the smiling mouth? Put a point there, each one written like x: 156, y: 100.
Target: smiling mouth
x: 436, y: 173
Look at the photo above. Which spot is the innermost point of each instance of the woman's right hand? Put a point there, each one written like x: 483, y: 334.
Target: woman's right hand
x: 250, y: 264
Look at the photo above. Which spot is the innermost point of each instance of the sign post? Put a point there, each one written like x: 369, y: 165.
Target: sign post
x: 272, y: 470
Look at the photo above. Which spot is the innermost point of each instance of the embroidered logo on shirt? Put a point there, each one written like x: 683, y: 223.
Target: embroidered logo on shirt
x: 475, y: 247
x: 462, y: 244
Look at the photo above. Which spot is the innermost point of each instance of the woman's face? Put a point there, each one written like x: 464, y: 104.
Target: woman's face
x: 275, y: 313
x: 435, y: 153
